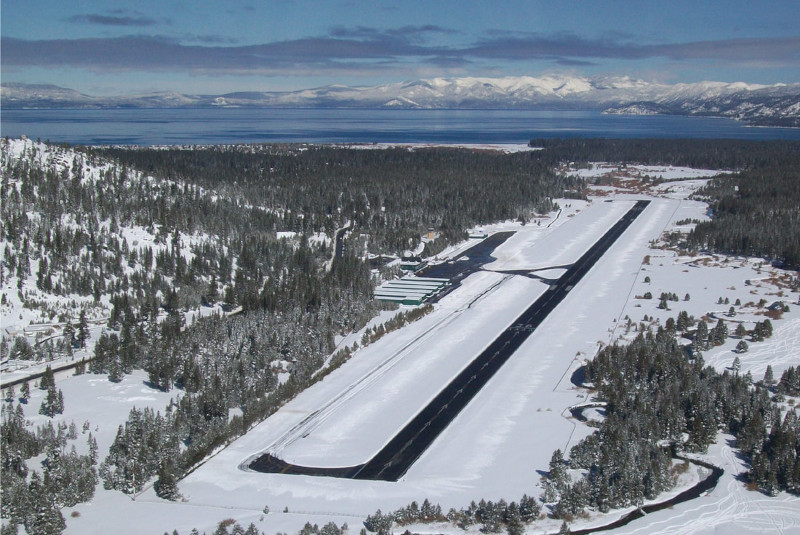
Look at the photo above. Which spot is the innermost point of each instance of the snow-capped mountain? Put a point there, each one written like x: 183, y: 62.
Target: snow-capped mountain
x: 757, y: 104
x: 776, y: 105
x: 41, y: 96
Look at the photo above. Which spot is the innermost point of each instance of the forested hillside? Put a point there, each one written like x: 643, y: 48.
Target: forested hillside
x: 392, y: 194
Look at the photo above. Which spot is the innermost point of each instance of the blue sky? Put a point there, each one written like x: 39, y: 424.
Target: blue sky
x: 111, y: 47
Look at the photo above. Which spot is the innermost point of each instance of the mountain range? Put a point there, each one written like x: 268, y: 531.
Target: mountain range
x: 765, y: 105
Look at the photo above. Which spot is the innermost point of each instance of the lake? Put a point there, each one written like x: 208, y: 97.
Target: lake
x: 244, y: 125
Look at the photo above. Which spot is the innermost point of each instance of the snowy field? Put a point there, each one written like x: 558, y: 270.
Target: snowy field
x: 497, y: 445
x: 664, y: 172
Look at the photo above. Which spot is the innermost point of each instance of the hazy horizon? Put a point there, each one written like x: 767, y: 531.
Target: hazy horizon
x: 108, y: 48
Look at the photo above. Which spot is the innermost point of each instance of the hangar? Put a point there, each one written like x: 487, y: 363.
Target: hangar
x: 410, y: 290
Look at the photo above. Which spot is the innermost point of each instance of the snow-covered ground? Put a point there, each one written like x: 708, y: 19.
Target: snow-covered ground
x: 502, y: 147
x: 561, y: 244
x: 664, y: 172
x: 497, y: 445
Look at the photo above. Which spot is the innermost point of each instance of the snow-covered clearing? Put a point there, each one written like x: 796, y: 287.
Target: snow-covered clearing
x: 315, y: 238
x: 103, y: 404
x: 663, y: 172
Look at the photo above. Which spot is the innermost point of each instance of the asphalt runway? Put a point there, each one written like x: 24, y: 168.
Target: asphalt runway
x: 397, y: 456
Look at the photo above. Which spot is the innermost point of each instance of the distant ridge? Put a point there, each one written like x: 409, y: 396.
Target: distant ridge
x: 767, y: 105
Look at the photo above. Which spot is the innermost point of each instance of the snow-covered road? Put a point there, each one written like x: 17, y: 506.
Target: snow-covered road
x: 729, y: 509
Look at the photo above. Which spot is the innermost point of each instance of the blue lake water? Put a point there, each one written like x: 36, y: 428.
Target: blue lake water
x: 239, y: 125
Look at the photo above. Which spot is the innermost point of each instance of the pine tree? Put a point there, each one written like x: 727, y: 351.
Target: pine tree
x: 330, y: 529
x: 491, y: 516
x: 53, y: 403
x: 48, y: 379
x: 16, y: 500
x: 769, y: 376
x: 558, y: 472
x: 379, y: 523
x: 720, y: 332
x: 550, y: 494
x: 115, y: 371
x: 529, y: 508
x: 513, y: 520
x: 69, y: 335
x: 683, y: 322
x: 166, y: 486
x: 9, y: 528
x: 83, y: 330
x: 701, y: 336
x: 758, y: 333
x: 767, y: 328
x: 740, y: 331
x: 45, y: 518
x: 92, y: 443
